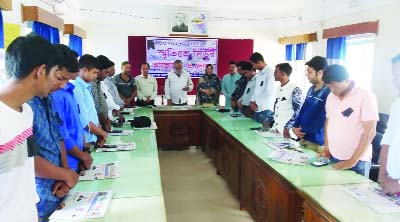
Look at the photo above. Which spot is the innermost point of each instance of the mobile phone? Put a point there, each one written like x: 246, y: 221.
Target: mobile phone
x: 116, y: 131
x: 319, y: 163
x: 255, y: 128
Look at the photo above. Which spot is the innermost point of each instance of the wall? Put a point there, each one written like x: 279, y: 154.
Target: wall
x: 387, y: 45
x: 112, y: 38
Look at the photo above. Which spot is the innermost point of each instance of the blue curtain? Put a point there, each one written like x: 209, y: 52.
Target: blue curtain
x: 336, y: 48
x: 75, y: 43
x: 47, y: 32
x: 1, y: 31
x: 289, y: 52
x: 301, y: 51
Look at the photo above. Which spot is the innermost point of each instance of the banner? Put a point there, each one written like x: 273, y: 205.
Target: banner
x: 194, y: 53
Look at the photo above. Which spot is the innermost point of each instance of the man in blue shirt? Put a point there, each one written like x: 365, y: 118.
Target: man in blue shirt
x: 309, y: 125
x: 92, y: 131
x: 53, y: 177
x: 67, y: 109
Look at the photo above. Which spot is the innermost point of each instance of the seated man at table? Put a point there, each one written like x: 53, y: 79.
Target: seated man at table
x: 389, y: 171
x: 243, y: 102
x: 53, y: 177
x: 288, y: 100
x: 351, y: 117
x: 309, y: 125
x: 177, y: 85
x: 67, y: 108
x: 92, y: 131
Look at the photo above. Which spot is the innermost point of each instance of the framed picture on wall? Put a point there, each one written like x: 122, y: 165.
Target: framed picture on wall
x: 180, y: 23
x: 189, y: 23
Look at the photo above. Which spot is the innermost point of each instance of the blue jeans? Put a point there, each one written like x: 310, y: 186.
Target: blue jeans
x: 46, y: 208
x: 362, y: 167
x: 263, y: 116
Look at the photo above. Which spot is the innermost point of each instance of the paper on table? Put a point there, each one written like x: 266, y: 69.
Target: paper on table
x: 375, y: 198
x: 80, y: 205
x: 100, y: 171
x: 290, y: 157
x: 269, y: 134
x: 117, y: 147
x: 121, y: 133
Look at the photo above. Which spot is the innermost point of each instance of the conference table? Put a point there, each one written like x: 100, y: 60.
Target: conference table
x: 269, y: 190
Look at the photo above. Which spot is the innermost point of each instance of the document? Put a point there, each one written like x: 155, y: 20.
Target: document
x: 268, y: 134
x: 117, y: 147
x: 83, y: 205
x: 100, y: 171
x: 290, y: 157
x: 121, y: 133
x: 375, y: 198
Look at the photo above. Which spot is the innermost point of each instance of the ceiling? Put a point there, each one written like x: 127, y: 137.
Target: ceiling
x: 271, y: 11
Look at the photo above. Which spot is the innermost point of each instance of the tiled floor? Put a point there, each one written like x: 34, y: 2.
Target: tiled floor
x: 193, y: 192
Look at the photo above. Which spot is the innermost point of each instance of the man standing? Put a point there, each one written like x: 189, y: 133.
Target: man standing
x: 351, y: 117
x: 146, y: 87
x: 177, y: 85
x: 244, y: 101
x: 389, y: 171
x: 87, y: 109
x: 309, y: 125
x: 240, y: 85
x: 30, y: 65
x: 53, y: 179
x: 112, y: 87
x: 126, y: 85
x: 98, y: 94
x: 288, y: 100
x: 65, y: 105
x: 228, y: 84
x: 262, y: 102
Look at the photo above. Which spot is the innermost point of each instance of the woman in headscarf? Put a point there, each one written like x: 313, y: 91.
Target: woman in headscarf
x: 209, y: 87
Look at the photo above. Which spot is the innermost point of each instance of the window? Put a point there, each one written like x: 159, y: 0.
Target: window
x: 298, y: 75
x: 359, y: 59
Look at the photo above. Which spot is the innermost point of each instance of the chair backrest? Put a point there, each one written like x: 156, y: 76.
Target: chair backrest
x: 376, y: 148
x: 382, y: 123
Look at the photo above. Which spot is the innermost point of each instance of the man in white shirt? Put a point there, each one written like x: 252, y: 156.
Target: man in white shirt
x: 262, y: 102
x: 389, y: 172
x: 112, y: 87
x: 146, y: 87
x: 31, y: 67
x: 288, y: 100
x: 177, y: 85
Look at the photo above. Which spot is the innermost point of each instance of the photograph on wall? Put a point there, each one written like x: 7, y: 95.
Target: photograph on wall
x: 198, y: 23
x: 194, y: 53
x: 180, y: 23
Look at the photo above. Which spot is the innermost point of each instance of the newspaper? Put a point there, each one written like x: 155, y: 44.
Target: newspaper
x: 117, y: 147
x: 83, y: 205
x: 100, y: 171
x: 285, y: 152
x: 375, y: 198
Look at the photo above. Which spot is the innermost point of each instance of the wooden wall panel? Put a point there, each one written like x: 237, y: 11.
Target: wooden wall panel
x: 311, y: 37
x: 6, y: 5
x: 72, y: 29
x: 34, y: 13
x: 354, y: 29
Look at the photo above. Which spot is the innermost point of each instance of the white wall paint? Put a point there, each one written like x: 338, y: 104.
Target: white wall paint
x: 387, y: 45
